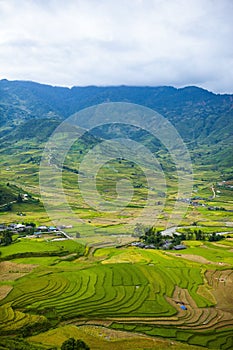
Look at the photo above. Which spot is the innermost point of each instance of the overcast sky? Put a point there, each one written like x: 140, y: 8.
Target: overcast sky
x: 113, y: 42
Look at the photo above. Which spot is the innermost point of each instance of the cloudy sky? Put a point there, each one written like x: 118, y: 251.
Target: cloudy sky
x: 112, y: 42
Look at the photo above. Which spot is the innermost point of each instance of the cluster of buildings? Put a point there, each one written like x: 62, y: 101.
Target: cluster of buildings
x: 167, y: 245
x: 30, y: 228
x: 198, y: 202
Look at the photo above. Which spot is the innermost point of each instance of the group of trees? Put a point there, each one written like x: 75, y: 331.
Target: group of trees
x: 72, y: 344
x: 214, y: 237
x: 20, y: 344
x: 6, y: 234
x: 199, y: 235
x: 155, y: 238
x: 151, y: 236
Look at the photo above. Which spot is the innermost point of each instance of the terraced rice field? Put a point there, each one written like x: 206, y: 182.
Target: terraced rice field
x: 11, y: 320
x: 131, y: 289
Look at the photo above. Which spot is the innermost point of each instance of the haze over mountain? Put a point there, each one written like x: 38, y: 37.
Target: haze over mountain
x: 203, y: 119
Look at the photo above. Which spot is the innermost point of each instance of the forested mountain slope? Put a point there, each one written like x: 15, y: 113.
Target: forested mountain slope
x: 203, y: 119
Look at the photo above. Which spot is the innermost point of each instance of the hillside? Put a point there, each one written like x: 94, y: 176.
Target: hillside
x: 31, y: 111
x: 200, y: 116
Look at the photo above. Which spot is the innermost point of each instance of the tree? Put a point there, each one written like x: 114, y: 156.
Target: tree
x: 154, y: 237
x: 176, y: 239
x: 19, y: 198
x: 214, y: 237
x: 72, y: 344
x: 80, y: 345
x: 7, y: 238
x: 68, y: 344
x: 8, y: 207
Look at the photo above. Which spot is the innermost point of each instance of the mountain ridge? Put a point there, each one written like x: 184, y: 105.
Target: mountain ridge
x: 32, y: 82
x: 203, y: 118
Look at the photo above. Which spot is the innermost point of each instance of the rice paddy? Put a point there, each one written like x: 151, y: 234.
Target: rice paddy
x: 66, y: 291
x: 129, y: 289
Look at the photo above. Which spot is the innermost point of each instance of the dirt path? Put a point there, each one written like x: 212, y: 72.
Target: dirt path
x: 213, y: 190
x: 9, y: 203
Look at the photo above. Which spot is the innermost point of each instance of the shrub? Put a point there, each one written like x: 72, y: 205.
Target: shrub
x: 72, y: 344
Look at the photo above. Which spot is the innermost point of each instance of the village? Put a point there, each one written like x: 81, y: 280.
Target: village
x: 7, y: 231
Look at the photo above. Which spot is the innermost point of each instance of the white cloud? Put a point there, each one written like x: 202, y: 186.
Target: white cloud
x: 103, y: 42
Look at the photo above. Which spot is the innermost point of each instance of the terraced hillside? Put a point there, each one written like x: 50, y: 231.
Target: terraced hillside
x: 130, y: 289
x: 98, y: 283
x: 30, y: 112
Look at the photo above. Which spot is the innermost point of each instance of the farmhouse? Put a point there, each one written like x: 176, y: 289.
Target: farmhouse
x: 37, y: 234
x: 18, y: 226
x: 167, y: 245
x: 52, y: 228
x: 42, y: 228
x: 179, y: 247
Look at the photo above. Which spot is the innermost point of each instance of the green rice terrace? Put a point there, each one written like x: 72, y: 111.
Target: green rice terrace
x: 147, y: 294
x: 94, y: 285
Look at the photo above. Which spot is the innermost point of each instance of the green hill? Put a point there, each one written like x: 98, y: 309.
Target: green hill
x: 203, y: 119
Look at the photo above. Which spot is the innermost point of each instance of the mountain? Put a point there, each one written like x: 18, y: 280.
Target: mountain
x: 203, y: 119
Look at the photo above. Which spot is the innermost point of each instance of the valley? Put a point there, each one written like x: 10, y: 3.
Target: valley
x: 92, y: 283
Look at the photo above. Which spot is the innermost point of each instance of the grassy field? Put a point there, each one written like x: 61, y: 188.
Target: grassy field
x: 100, y: 337
x: 41, y: 246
